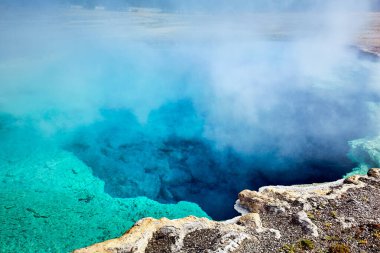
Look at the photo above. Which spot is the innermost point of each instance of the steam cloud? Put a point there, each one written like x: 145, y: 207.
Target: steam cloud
x: 279, y: 88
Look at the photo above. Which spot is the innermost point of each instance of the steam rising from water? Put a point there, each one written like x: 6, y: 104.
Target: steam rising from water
x: 272, y: 93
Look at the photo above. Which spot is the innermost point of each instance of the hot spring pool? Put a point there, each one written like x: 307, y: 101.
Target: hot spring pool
x: 109, y: 117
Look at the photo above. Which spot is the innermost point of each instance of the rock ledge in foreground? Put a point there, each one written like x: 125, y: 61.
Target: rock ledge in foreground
x: 342, y: 216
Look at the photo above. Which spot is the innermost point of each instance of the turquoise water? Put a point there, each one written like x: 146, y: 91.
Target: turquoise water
x: 52, y: 202
x: 108, y: 117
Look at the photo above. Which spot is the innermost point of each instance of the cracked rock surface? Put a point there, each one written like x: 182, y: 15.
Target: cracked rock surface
x: 341, y: 216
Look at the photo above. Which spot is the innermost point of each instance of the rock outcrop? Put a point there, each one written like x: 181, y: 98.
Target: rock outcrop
x: 342, y: 216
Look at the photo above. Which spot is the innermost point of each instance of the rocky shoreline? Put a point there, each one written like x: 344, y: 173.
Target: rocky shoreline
x: 342, y: 216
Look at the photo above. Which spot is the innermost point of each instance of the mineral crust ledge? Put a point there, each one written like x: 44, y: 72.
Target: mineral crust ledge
x: 342, y: 216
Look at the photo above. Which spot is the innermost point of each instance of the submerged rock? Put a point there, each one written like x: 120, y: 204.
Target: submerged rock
x: 311, y: 218
x: 51, y: 201
x: 366, y: 153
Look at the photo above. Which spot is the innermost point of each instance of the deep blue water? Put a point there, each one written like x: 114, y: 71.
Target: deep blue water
x: 168, y: 160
